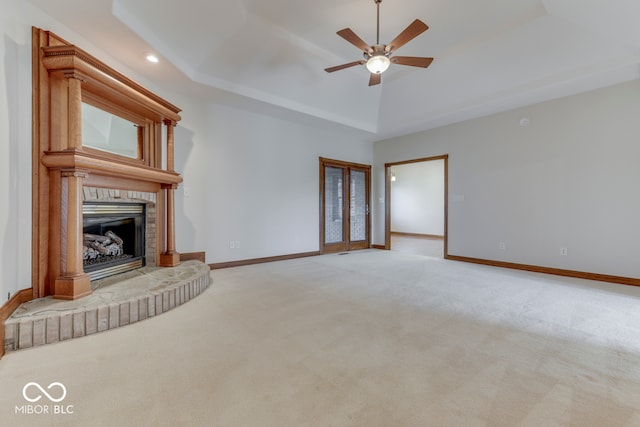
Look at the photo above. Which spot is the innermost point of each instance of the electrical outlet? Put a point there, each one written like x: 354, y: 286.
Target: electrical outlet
x: 502, y: 246
x: 564, y: 251
x: 237, y: 244
x: 8, y: 296
x: 232, y: 244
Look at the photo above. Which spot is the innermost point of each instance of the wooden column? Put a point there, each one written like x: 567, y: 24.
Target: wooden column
x: 74, y: 118
x: 170, y: 150
x: 72, y: 282
x: 170, y: 257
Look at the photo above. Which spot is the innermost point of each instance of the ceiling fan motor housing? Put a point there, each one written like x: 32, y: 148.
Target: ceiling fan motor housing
x: 376, y: 50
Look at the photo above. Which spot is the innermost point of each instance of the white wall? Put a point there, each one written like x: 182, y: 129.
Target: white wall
x: 568, y: 179
x: 417, y: 198
x: 191, y: 161
x: 262, y: 182
x: 15, y: 150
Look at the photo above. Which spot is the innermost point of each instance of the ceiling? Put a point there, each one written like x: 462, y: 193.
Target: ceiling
x: 269, y: 56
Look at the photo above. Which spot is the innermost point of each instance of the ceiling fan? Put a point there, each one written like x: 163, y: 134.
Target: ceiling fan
x: 378, y: 57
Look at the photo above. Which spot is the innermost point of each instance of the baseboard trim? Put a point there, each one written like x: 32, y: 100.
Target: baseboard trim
x: 199, y: 256
x: 378, y: 247
x: 9, y: 307
x: 219, y: 265
x: 425, y: 236
x: 549, y: 270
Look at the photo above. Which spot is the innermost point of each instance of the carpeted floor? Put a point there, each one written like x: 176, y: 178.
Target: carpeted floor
x: 371, y: 338
x: 418, y: 245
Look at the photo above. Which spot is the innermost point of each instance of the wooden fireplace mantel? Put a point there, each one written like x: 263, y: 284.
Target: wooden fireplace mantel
x: 75, y: 159
x: 65, y: 76
x: 98, y: 78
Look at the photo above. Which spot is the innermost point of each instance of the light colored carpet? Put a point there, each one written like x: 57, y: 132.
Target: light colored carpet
x: 427, y: 246
x: 371, y: 338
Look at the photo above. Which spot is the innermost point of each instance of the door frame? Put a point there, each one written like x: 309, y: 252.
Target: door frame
x: 346, y: 244
x: 387, y: 199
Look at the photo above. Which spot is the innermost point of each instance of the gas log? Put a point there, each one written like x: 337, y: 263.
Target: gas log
x: 96, y: 245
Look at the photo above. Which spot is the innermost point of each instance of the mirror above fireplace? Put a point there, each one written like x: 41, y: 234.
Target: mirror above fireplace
x: 108, y: 132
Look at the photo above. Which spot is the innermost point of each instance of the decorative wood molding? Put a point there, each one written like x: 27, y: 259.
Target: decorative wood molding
x: 549, y: 270
x: 101, y: 77
x: 219, y: 265
x: 343, y: 164
x: 121, y: 183
x: 9, y: 307
x: 198, y: 256
x: 65, y: 76
x: 95, y: 164
x: 169, y: 259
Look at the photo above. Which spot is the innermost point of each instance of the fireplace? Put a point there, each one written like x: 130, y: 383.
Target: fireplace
x: 67, y: 166
x: 113, y: 238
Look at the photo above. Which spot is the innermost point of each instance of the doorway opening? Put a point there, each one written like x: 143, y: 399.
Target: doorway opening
x: 416, y: 206
x: 344, y: 206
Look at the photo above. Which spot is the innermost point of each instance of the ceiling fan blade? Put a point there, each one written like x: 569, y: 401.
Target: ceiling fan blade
x: 354, y: 39
x: 374, y: 79
x: 414, y: 29
x: 343, y: 66
x: 414, y: 61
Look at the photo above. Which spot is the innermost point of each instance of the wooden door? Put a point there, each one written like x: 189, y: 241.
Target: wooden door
x: 344, y: 206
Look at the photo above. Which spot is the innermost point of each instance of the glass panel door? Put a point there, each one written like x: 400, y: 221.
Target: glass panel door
x: 344, y: 189
x: 333, y: 205
x: 358, y: 206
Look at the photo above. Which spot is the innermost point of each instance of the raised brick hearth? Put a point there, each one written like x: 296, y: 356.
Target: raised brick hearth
x: 118, y: 301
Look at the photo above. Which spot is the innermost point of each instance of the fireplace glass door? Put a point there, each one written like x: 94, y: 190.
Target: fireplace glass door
x: 113, y: 238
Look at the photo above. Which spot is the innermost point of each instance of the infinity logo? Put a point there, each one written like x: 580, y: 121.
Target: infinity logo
x: 43, y: 391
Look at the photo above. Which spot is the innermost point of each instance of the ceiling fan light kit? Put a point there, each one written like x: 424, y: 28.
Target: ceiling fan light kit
x: 378, y: 62
x: 378, y: 56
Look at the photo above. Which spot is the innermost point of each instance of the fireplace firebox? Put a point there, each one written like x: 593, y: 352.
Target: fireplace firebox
x: 113, y: 238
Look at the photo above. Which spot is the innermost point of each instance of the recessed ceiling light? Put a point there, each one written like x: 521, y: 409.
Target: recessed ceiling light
x: 152, y: 58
